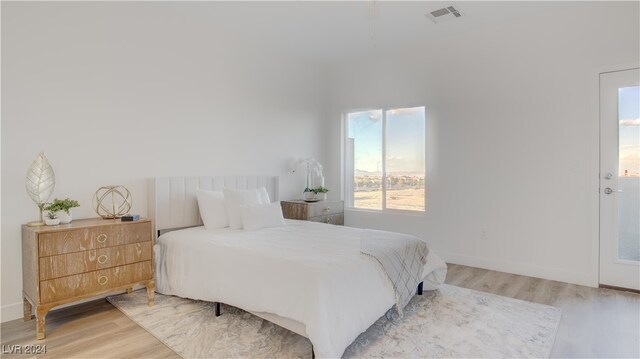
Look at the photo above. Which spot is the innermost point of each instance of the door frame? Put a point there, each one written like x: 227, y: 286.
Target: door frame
x: 595, y: 166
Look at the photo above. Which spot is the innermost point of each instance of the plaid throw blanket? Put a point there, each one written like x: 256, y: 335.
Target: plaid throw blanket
x: 402, y: 257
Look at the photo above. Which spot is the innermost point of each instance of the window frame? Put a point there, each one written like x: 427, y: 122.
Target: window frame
x: 345, y: 178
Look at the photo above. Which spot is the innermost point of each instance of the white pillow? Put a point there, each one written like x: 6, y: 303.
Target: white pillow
x: 264, y: 196
x: 258, y: 216
x: 234, y: 198
x: 212, y: 209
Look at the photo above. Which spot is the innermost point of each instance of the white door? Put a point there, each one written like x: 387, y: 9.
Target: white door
x: 620, y: 179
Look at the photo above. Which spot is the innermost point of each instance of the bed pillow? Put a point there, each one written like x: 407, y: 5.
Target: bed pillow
x: 212, y: 209
x: 234, y: 198
x: 264, y: 196
x: 258, y: 216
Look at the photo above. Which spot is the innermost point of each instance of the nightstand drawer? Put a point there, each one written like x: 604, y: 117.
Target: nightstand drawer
x: 327, y: 211
x: 78, y: 240
x: 324, y: 208
x: 94, y: 282
x: 330, y: 219
x: 91, y: 260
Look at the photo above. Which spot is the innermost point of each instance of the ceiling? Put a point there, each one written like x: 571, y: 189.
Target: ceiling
x: 333, y: 31
x: 320, y: 31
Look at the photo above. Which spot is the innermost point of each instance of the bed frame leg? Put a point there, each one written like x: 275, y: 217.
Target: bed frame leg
x: 217, y: 309
x: 420, y: 288
x: 313, y: 353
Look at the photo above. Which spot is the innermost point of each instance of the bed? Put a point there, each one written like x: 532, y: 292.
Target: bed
x: 307, y: 277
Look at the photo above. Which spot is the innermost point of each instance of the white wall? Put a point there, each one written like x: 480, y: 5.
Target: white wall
x: 512, y: 136
x: 118, y: 93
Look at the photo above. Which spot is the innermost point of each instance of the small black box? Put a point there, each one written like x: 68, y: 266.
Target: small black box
x: 130, y: 217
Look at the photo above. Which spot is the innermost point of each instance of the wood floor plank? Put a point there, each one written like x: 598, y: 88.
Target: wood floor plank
x: 88, y: 330
x: 595, y: 322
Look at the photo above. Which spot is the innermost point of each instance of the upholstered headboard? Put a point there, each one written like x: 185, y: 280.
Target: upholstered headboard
x: 173, y: 203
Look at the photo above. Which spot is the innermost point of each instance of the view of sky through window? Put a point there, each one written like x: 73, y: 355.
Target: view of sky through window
x: 366, y: 128
x: 629, y: 117
x: 405, y: 141
x: 405, y: 158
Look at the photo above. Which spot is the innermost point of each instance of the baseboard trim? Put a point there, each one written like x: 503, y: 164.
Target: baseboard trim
x: 520, y: 269
x: 10, y: 312
x: 619, y: 288
x: 14, y: 311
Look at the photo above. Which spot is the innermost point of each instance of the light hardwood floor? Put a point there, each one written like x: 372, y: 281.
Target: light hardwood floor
x: 595, y: 322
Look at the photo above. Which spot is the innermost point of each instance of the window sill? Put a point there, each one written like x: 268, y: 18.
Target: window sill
x: 396, y: 212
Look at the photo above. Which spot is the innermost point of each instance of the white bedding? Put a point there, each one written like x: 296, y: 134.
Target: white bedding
x: 309, y: 272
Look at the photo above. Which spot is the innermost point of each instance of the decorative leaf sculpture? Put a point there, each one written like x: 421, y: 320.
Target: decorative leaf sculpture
x: 40, y: 181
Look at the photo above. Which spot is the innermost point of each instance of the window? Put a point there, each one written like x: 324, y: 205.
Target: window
x: 384, y: 159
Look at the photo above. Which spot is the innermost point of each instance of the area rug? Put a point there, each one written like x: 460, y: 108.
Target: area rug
x: 451, y: 322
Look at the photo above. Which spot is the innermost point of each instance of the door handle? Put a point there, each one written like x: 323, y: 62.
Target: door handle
x: 608, y: 190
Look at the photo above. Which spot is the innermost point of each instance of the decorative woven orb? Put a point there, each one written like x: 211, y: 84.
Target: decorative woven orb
x: 112, y: 202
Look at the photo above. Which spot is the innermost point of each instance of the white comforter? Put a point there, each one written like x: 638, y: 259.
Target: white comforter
x: 309, y: 272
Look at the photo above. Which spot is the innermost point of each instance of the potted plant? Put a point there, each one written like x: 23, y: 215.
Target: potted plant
x: 315, y: 194
x: 62, y: 207
x: 320, y: 192
x: 308, y: 194
x: 51, y: 219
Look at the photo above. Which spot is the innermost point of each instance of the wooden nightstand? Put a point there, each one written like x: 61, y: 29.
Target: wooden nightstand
x: 83, y: 259
x: 326, y: 211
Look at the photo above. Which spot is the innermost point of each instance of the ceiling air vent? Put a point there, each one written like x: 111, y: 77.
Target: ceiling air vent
x: 446, y: 13
x: 453, y: 10
x: 438, y: 13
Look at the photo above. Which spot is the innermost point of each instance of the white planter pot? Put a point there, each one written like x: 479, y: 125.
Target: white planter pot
x: 309, y: 196
x: 64, y: 217
x: 52, y: 222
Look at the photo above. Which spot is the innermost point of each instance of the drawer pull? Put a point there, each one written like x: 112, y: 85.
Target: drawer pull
x: 103, y: 258
x: 327, y: 209
x: 102, y: 280
x: 102, y: 237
